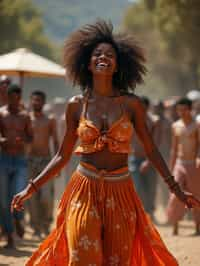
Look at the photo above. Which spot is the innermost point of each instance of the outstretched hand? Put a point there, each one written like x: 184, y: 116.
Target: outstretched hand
x: 191, y: 201
x: 19, y: 199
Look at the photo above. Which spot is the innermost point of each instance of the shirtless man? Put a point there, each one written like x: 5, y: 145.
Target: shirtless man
x: 144, y: 175
x: 185, y: 161
x: 16, y: 134
x: 44, y: 128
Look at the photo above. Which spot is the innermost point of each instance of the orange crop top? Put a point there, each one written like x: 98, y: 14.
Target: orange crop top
x: 117, y: 137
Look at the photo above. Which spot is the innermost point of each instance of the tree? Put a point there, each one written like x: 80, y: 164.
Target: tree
x: 170, y: 29
x: 21, y: 26
x: 179, y: 24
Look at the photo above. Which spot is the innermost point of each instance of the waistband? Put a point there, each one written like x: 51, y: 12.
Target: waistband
x: 186, y: 162
x: 115, y: 175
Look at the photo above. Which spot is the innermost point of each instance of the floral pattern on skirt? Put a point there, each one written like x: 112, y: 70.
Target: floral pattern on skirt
x: 92, y: 230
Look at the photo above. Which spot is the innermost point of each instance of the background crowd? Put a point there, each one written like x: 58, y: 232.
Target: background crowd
x: 31, y: 132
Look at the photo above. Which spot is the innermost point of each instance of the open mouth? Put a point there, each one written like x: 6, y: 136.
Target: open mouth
x: 102, y: 65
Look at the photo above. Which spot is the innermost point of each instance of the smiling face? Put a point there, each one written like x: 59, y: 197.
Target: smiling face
x: 37, y: 103
x: 103, y: 60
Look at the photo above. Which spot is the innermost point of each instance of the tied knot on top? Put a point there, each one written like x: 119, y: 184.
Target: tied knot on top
x: 103, y: 140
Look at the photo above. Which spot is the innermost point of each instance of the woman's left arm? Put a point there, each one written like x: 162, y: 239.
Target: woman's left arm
x: 139, y: 118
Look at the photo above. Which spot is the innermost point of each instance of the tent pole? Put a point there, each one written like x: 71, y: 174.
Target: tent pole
x: 21, y: 79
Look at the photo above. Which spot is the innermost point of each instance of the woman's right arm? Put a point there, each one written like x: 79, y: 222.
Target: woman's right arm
x: 59, y: 160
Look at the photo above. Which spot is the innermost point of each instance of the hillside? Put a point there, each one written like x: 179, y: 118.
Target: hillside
x: 63, y: 16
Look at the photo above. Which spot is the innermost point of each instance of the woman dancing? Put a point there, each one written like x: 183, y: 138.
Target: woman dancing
x: 101, y: 220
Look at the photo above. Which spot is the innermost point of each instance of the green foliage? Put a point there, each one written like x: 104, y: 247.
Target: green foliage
x: 179, y: 24
x: 179, y: 21
x: 21, y: 26
x: 170, y: 29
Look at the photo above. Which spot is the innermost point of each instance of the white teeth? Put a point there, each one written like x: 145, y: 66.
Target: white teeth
x: 102, y: 64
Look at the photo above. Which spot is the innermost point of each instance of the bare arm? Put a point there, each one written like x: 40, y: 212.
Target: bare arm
x: 28, y: 130
x: 146, y: 138
x: 173, y: 150
x: 3, y: 140
x: 154, y: 131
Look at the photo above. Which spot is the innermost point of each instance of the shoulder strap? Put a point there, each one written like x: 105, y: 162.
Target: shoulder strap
x: 121, y: 103
x: 85, y: 105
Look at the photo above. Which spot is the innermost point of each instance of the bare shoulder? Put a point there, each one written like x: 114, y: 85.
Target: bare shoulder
x: 177, y: 127
x: 76, y: 100
x: 24, y: 113
x: 177, y: 123
x: 133, y: 104
x: 132, y: 100
x: 131, y: 97
x: 50, y: 117
x: 196, y: 124
x: 3, y: 110
x: 74, y: 105
x: 155, y: 118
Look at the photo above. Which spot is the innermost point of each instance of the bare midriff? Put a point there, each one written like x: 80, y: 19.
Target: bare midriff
x: 105, y: 159
x: 13, y: 130
x: 40, y: 144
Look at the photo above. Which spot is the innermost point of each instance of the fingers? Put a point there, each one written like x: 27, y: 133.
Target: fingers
x: 188, y: 205
x: 17, y: 204
x: 197, y: 204
x: 13, y: 204
x: 192, y: 202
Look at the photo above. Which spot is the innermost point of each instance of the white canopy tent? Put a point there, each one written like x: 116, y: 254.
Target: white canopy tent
x: 22, y: 62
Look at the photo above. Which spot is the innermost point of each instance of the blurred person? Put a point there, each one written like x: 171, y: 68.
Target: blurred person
x: 101, y: 220
x: 143, y: 173
x: 58, y: 111
x: 4, y: 84
x: 16, y: 134
x: 185, y: 162
x: 164, y: 129
x: 170, y: 110
x: 194, y: 96
x: 48, y: 109
x: 44, y: 129
x: 164, y: 144
x: 58, y: 106
x: 196, y: 110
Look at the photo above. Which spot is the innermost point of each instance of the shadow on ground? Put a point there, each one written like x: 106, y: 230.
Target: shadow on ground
x: 22, y: 249
x: 17, y: 253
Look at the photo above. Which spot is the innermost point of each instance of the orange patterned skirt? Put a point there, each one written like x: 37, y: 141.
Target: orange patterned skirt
x: 101, y: 222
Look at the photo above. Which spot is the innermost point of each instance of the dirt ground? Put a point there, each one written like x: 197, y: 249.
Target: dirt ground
x: 185, y: 247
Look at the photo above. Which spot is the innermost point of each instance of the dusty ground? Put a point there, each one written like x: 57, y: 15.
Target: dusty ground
x: 185, y: 247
